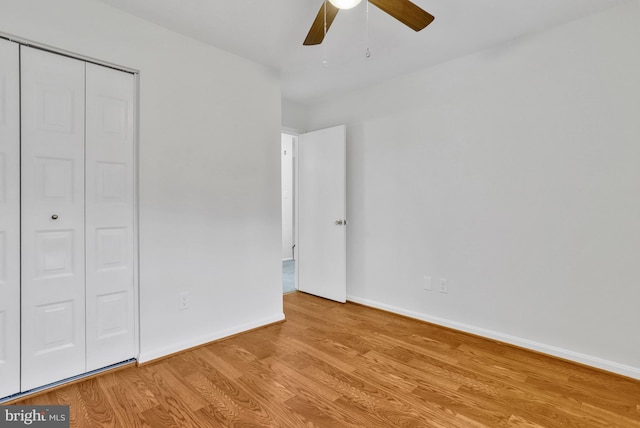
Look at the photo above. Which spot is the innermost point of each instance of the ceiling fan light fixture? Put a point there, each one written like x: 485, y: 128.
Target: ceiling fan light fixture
x: 344, y: 4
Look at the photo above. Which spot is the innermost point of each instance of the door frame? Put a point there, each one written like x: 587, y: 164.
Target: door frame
x: 58, y: 51
x: 136, y: 214
x: 294, y: 148
x: 10, y: 299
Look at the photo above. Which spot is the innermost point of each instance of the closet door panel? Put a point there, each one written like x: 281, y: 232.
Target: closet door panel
x: 9, y: 220
x: 53, y: 249
x: 110, y: 216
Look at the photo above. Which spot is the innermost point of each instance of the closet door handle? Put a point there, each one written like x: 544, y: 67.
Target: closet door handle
x: 54, y: 217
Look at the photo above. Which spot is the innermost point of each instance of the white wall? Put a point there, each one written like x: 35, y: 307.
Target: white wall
x: 514, y: 173
x: 295, y: 116
x: 209, y: 170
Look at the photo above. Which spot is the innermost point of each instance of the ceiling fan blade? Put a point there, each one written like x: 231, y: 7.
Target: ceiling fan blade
x: 316, y: 33
x: 405, y: 12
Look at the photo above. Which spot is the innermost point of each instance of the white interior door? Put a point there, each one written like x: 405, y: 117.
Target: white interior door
x: 109, y: 216
x: 322, y: 213
x: 9, y: 219
x: 53, y: 276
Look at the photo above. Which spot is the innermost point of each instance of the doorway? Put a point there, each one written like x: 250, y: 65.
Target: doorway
x: 287, y: 162
x: 314, y: 212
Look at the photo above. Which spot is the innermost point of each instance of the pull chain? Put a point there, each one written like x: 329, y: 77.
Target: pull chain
x: 325, y: 63
x: 368, y: 52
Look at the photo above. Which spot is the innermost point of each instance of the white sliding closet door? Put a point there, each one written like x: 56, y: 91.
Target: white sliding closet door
x: 109, y: 216
x: 53, y: 252
x: 9, y: 219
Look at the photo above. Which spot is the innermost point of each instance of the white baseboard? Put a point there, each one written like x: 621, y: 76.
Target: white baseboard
x: 146, y: 356
x: 611, y: 366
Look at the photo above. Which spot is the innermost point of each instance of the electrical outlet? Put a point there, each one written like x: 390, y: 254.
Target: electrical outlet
x: 183, y: 301
x: 427, y: 283
x: 444, y: 285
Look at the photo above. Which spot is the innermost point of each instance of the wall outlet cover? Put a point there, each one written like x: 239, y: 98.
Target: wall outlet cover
x: 183, y: 301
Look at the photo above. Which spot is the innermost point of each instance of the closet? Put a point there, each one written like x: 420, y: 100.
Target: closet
x: 67, y: 274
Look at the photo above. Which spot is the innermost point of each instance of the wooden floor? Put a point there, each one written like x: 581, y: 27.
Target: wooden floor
x: 333, y: 365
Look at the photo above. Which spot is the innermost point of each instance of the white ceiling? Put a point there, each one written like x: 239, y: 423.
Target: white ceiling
x: 271, y: 32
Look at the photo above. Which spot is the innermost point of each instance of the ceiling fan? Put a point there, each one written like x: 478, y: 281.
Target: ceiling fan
x: 403, y: 10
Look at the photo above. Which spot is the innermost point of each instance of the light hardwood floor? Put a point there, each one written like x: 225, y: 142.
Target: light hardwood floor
x: 333, y: 365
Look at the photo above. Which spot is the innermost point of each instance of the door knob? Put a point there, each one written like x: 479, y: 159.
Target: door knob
x: 341, y: 222
x: 54, y: 217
